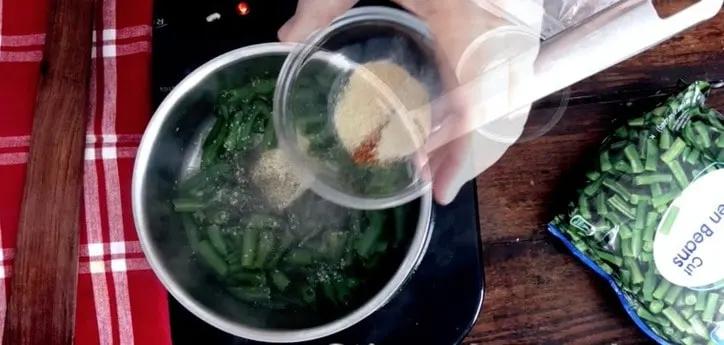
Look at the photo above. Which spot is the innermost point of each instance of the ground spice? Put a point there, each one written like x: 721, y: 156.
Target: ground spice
x: 366, y: 153
x: 371, y: 129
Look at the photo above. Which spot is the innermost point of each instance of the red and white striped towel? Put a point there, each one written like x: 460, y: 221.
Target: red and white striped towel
x: 120, y: 301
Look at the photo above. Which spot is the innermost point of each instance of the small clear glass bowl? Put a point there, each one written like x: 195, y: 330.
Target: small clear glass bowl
x: 312, y: 78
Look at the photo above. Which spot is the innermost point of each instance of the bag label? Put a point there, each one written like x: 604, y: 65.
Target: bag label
x: 689, y: 242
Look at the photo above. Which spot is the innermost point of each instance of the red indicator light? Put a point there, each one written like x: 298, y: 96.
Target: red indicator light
x: 242, y: 8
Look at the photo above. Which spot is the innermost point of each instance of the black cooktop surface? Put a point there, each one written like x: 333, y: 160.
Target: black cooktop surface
x: 440, y: 302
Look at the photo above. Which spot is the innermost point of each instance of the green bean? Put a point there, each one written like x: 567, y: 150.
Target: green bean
x: 625, y: 232
x: 270, y: 137
x: 649, y: 284
x: 656, y: 190
x: 720, y: 141
x: 217, y: 239
x: 584, y: 208
x: 210, y: 257
x: 640, y: 220
x: 300, y: 257
x: 673, y: 294
x: 687, y: 313
x: 634, y: 159
x: 265, y: 248
x: 308, y: 294
x: 246, y: 278
x: 186, y: 205
x: 636, y: 276
x: 593, y: 175
x: 647, y: 179
x: 669, y: 220
x: 679, y: 173
x: 656, y: 306
x: 711, y: 301
x: 661, y: 289
x: 690, y: 298
x: 616, y: 260
x: 636, y: 198
x: 623, y: 167
x: 665, y: 199
x: 280, y: 280
x: 335, y: 242
x: 702, y: 134
x: 626, y: 250
x: 328, y: 290
x: 617, y: 188
x: 674, y: 151
x: 366, y: 242
x: 693, y: 157
x: 192, y: 231
x: 700, y: 301
x: 248, y: 247
x: 665, y: 139
x: 621, y: 206
x: 253, y: 294
x: 605, y: 161
x: 213, y: 145
x: 592, y: 188
x: 688, y: 341
x: 698, y: 326
x: 652, y: 155
x: 636, y: 122
x: 675, y: 319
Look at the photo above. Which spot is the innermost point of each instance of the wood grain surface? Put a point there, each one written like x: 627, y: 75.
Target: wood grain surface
x: 41, y: 306
x: 537, y: 292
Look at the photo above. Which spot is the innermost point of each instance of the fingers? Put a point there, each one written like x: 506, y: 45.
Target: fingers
x: 310, y: 16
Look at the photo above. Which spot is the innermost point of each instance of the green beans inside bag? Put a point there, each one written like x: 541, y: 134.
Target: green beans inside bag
x: 650, y: 218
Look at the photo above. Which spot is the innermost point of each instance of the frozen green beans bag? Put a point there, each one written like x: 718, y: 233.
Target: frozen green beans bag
x: 650, y: 218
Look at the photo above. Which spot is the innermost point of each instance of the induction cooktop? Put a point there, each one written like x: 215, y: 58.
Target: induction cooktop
x: 441, y: 301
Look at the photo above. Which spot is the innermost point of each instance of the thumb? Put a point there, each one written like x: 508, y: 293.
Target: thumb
x: 312, y: 15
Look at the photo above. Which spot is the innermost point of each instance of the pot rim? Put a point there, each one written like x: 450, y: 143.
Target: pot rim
x: 412, y: 259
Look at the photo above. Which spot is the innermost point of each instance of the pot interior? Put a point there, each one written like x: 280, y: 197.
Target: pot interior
x: 174, y: 156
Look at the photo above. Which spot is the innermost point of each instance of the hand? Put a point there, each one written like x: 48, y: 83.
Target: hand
x: 455, y: 154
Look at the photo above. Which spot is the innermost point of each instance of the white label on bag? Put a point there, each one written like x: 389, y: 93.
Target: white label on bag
x: 689, y: 242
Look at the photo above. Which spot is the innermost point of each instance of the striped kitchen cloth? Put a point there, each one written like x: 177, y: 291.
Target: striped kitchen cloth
x: 120, y: 301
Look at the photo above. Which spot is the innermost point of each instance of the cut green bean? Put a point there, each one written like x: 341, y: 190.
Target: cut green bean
x: 687, y: 313
x: 265, y: 248
x: 700, y: 301
x: 669, y: 220
x: 661, y: 289
x: 720, y: 141
x: 640, y: 221
x: 679, y: 173
x: 183, y: 205
x: 636, y: 198
x: 300, y: 257
x: 252, y: 294
x: 649, y: 284
x: 656, y: 306
x: 212, y: 258
x: 690, y: 298
x: 617, y: 203
x: 192, y: 231
x: 617, y: 188
x: 656, y: 190
x: 674, y: 151
x: 625, y: 232
x: 673, y: 294
x: 711, y: 302
x: 664, y: 199
x: 280, y: 280
x: 593, y: 188
x: 369, y: 237
x: 584, y: 209
x: 636, y: 122
x: 698, y: 326
x: 613, y: 259
x: 665, y: 139
x: 646, y: 179
x: 634, y: 159
x: 217, y: 239
x: 600, y: 204
x: 636, y: 276
x: 593, y: 175
x: 248, y: 247
x: 702, y: 133
x: 652, y: 156
x: 605, y: 161
x: 693, y: 157
x: 676, y: 320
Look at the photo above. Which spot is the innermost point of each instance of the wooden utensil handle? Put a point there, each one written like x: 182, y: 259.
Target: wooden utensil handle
x: 41, y: 307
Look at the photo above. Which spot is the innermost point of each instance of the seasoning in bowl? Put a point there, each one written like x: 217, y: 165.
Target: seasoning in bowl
x: 382, y: 113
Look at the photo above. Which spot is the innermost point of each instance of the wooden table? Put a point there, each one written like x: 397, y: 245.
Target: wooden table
x: 538, y: 293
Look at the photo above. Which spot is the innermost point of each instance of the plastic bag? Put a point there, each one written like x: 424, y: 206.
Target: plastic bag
x: 650, y: 219
x: 563, y: 14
